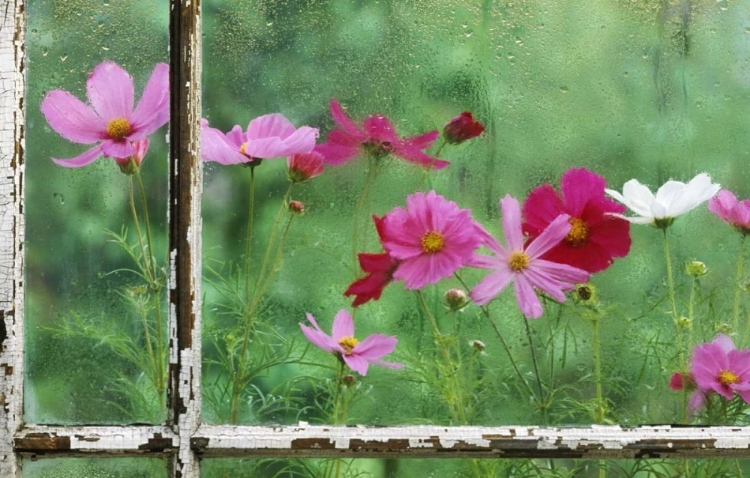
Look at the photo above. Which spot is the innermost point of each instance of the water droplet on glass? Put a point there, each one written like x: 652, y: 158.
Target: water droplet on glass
x: 44, y: 51
x: 59, y: 197
x: 63, y: 57
x: 564, y: 89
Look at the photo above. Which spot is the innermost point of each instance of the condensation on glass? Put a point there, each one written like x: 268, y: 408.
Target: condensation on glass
x: 95, y: 322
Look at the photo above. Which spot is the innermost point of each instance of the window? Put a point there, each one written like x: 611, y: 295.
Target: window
x: 670, y: 104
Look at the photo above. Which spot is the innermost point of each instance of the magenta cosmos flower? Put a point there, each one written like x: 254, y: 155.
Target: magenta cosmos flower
x: 719, y: 367
x: 377, y: 137
x: 726, y: 206
x: 432, y: 238
x: 595, y: 237
x: 379, y: 269
x: 111, y: 120
x: 523, y: 265
x: 268, y: 136
x: 357, y: 355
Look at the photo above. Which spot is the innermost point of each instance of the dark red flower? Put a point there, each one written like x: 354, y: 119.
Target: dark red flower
x: 379, y: 269
x: 595, y: 237
x: 462, y: 128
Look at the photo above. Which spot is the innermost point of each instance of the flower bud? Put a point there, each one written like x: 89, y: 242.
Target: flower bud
x: 348, y: 380
x: 462, y: 128
x: 477, y: 345
x: 131, y: 164
x: 696, y: 269
x: 684, y: 323
x: 303, y: 167
x: 296, y: 207
x: 456, y: 299
x: 585, y: 294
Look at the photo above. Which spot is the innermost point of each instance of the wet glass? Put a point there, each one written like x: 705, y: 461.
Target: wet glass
x: 650, y: 91
x: 95, y: 468
x: 95, y: 305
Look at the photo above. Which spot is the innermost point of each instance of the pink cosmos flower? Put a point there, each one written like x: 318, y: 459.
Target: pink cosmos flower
x: 379, y: 269
x: 719, y: 367
x: 595, y: 236
x: 432, y: 238
x: 357, y: 355
x: 268, y: 136
x: 523, y: 265
x: 304, y: 166
x: 376, y: 137
x: 111, y: 120
x: 726, y: 206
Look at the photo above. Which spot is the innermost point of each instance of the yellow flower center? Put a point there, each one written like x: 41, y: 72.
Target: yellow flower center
x: 118, y: 128
x: 348, y: 343
x: 728, y: 378
x: 579, y: 232
x: 518, y: 261
x: 243, y: 147
x: 432, y: 242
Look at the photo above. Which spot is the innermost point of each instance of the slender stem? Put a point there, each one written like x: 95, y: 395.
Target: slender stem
x: 144, y: 257
x: 672, y: 301
x: 542, y: 402
x: 249, y: 233
x: 431, y: 318
x: 691, y: 312
x: 369, y: 179
x: 149, y: 348
x: 486, y: 312
x: 738, y: 286
x: 599, y: 411
x: 144, y: 204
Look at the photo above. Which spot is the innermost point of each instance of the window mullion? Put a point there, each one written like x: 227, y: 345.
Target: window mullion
x: 185, y: 229
x: 12, y: 145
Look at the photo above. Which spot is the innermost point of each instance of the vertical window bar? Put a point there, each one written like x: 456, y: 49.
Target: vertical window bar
x: 12, y: 145
x: 184, y: 229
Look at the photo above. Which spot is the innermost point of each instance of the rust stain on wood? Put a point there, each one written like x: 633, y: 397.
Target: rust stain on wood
x: 40, y: 442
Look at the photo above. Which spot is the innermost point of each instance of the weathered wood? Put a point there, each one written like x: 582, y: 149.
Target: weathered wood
x: 499, y: 442
x: 55, y: 441
x: 12, y: 146
x: 185, y: 229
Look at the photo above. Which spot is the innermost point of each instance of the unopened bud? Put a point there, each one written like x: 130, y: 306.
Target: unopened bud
x: 477, y: 345
x: 456, y: 299
x: 585, y: 294
x: 349, y: 380
x: 296, y: 207
x: 684, y: 323
x: 696, y: 269
x: 462, y: 128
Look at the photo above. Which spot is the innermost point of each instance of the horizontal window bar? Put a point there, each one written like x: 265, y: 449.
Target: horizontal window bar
x: 87, y: 440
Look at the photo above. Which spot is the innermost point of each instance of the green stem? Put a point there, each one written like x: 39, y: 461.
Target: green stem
x: 672, y: 301
x: 738, y: 286
x: 542, y: 401
x: 599, y: 411
x: 486, y: 312
x: 144, y: 203
x: 249, y: 233
x: 372, y: 172
x: 691, y: 311
x: 146, y: 260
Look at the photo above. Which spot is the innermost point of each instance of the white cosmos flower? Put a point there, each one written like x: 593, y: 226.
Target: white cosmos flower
x: 673, y: 199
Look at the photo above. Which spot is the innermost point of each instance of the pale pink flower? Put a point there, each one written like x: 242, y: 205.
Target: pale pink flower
x: 719, y: 367
x: 521, y: 264
x: 268, y: 136
x: 377, y: 137
x: 432, y: 238
x: 726, y: 206
x: 111, y: 121
x: 357, y: 355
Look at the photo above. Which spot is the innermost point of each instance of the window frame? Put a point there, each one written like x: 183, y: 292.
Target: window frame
x: 183, y: 439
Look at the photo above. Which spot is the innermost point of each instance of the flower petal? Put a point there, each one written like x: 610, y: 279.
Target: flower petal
x: 71, y: 118
x: 541, y: 208
x: 215, y: 147
x: 110, y: 91
x: 356, y: 363
x: 343, y: 325
x: 83, y: 159
x: 527, y: 299
x: 317, y: 338
x: 152, y: 111
x: 271, y: 125
x: 118, y: 149
x: 511, y: 211
x: 375, y: 346
x: 579, y: 186
x: 550, y: 237
x: 337, y: 112
x: 491, y: 286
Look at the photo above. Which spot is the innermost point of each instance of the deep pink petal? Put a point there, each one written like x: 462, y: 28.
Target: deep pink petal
x: 152, y: 111
x: 414, y: 272
x: 337, y: 112
x: 336, y: 154
x: 380, y: 128
x: 722, y: 204
x: 110, y: 91
x: 343, y: 325
x: 550, y: 237
x: 491, y: 286
x: 613, y: 234
x: 579, y: 186
x: 375, y: 347
x: 528, y: 301
x: 89, y: 156
x: 72, y: 119
x: 511, y: 211
x: 414, y: 155
x: 541, y: 208
x: 745, y: 394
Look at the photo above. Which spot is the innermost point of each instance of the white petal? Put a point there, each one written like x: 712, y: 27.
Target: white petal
x: 659, y: 210
x: 669, y: 191
x: 638, y: 197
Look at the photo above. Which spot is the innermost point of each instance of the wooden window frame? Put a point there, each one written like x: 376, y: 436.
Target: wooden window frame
x: 183, y: 439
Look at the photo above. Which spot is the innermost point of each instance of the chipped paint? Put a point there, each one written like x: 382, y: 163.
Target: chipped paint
x: 12, y: 147
x: 72, y: 441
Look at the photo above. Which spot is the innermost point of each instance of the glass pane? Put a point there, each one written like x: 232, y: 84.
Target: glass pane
x: 569, y: 96
x: 455, y: 468
x: 95, y: 468
x: 95, y: 302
